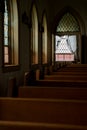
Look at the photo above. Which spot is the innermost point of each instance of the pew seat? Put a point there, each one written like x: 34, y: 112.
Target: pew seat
x: 16, y: 125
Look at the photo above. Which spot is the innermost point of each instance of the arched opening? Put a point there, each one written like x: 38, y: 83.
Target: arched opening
x: 67, y: 37
x: 11, y: 46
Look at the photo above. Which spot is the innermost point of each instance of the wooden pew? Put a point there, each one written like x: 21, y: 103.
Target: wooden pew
x: 53, y: 92
x: 77, y: 65
x: 69, y: 73
x: 11, y: 125
x: 62, y: 83
x: 66, y: 77
x: 68, y: 112
x: 76, y: 69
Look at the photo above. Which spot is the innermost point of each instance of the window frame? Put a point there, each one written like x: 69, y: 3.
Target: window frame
x: 11, y: 66
x: 77, y: 33
x: 78, y: 39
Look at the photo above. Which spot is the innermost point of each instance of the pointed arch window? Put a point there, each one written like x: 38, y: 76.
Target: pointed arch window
x: 68, y: 24
x: 44, y: 40
x: 34, y: 36
x: 11, y: 47
x: 66, y: 38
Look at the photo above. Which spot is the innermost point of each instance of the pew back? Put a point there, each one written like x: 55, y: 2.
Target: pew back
x: 71, y: 112
x: 61, y: 83
x: 53, y: 92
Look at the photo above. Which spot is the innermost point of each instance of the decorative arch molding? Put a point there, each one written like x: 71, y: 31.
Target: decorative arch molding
x: 34, y: 34
x: 44, y: 13
x: 30, y: 15
x: 74, y: 13
x: 44, y: 37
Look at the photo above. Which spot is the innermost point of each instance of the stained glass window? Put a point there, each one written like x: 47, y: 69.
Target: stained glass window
x: 6, y: 25
x: 10, y: 32
x: 68, y: 24
x: 6, y: 53
x: 66, y: 45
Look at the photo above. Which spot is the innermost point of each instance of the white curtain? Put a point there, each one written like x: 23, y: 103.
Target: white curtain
x: 66, y: 43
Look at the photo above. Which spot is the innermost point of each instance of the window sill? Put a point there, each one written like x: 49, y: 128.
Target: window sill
x: 10, y: 68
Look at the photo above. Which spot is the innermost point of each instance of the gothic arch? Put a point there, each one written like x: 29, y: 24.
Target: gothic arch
x: 80, y: 24
x: 74, y: 13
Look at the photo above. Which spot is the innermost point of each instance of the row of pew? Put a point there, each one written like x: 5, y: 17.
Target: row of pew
x: 53, y: 103
x: 68, y: 86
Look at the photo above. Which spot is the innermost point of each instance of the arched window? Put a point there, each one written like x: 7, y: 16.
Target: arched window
x: 67, y: 33
x: 11, y: 50
x: 6, y: 47
x: 34, y: 36
x: 44, y: 40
